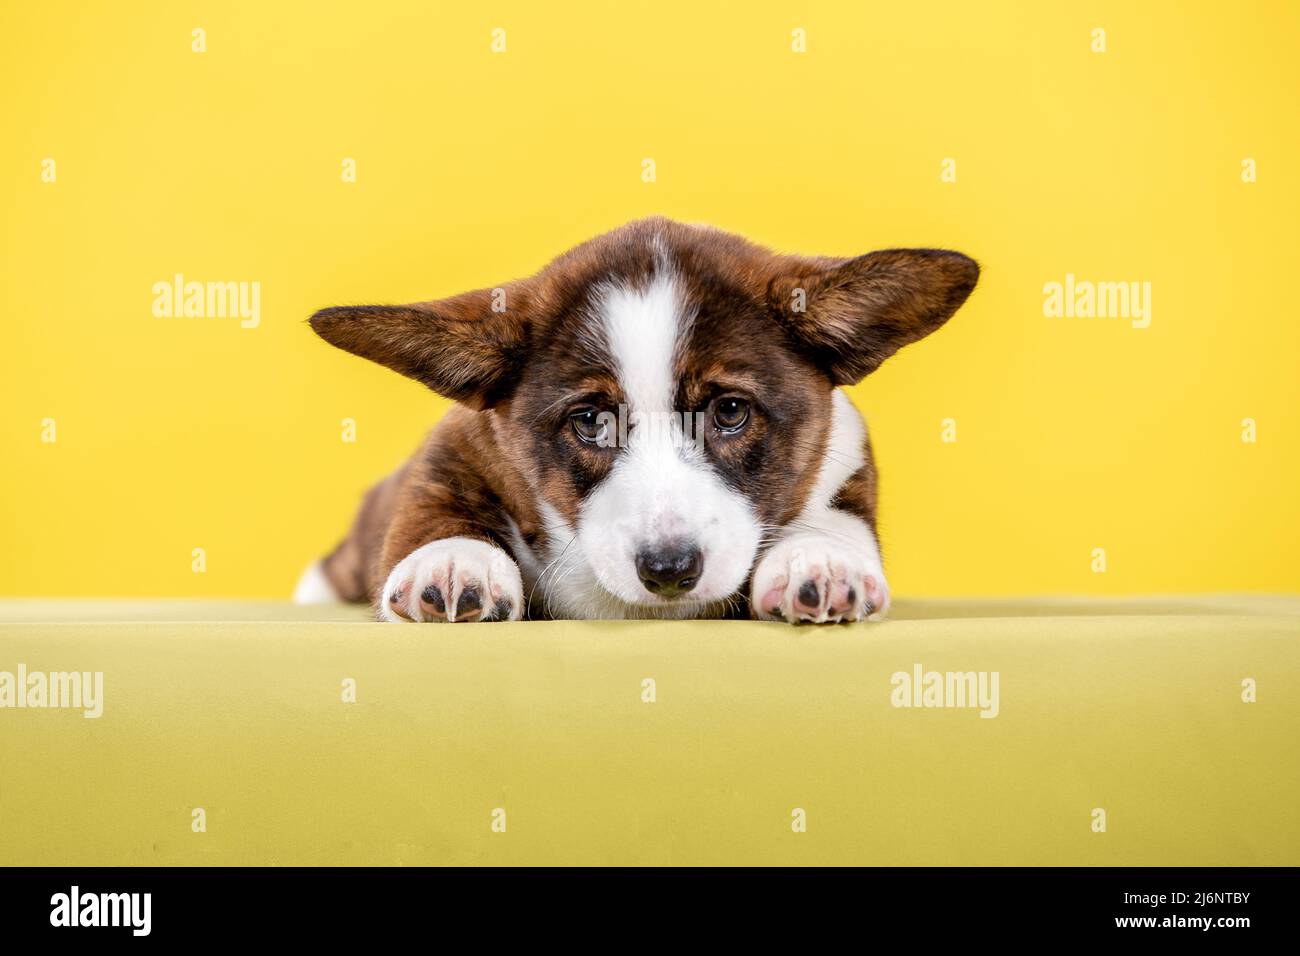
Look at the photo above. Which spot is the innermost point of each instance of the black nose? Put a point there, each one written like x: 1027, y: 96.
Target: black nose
x: 670, y: 571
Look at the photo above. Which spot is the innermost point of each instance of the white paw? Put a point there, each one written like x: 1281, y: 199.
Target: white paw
x: 454, y: 579
x: 820, y: 580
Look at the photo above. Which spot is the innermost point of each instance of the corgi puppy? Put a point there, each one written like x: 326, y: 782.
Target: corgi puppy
x: 652, y: 426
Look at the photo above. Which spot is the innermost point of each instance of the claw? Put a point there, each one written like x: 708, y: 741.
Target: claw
x: 398, y: 602
x: 431, y: 601
x: 500, y: 611
x: 468, y: 602
x: 809, y: 598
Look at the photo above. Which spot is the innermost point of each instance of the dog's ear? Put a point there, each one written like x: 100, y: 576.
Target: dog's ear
x: 852, y: 314
x: 467, y: 348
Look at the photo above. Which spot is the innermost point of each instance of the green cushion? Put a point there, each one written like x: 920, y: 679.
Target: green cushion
x: 1132, y: 707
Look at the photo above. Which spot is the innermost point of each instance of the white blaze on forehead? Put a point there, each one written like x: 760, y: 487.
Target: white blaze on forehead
x: 661, y: 489
x: 643, y: 329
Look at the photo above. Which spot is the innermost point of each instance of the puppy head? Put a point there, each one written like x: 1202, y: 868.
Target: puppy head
x: 665, y: 388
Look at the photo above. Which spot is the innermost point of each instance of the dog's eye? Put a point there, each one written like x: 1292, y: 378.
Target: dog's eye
x: 588, y: 426
x: 730, y: 413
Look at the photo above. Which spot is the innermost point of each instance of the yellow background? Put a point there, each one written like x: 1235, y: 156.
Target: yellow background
x: 476, y: 167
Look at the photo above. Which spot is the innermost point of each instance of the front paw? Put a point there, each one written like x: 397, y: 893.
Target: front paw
x: 454, y: 580
x: 819, y: 580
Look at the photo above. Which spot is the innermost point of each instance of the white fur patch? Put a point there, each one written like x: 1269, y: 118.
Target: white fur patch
x: 643, y: 329
x: 313, y: 587
x: 844, y: 451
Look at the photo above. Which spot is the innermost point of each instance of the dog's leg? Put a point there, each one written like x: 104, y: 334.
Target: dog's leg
x: 444, y: 556
x: 826, y: 567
